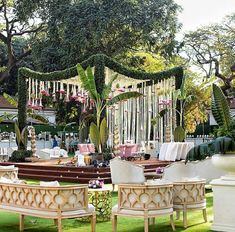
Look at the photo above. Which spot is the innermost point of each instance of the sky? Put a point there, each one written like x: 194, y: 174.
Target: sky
x: 203, y: 12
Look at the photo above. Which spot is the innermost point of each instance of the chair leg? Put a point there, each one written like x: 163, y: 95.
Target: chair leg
x: 55, y: 222
x: 93, y: 222
x: 21, y: 222
x: 146, y: 224
x: 185, y: 218
x: 151, y: 221
x: 113, y: 186
x: 59, y: 225
x: 177, y: 215
x: 204, y: 215
x: 172, y: 222
x: 114, y: 223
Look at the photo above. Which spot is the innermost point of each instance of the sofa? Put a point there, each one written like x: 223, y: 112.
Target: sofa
x: 54, y: 202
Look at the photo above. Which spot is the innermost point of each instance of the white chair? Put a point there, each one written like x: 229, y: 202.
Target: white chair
x: 143, y: 201
x: 202, y: 169
x: 125, y: 172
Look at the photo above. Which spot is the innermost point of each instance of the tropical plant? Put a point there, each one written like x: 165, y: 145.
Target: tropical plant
x: 99, y: 130
x: 225, y: 136
x: 183, y: 98
x: 21, y: 136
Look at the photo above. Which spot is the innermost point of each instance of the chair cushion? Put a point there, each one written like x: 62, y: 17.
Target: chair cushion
x: 191, y: 206
x: 140, y: 213
x: 49, y: 183
x: 7, y: 167
x: 50, y: 213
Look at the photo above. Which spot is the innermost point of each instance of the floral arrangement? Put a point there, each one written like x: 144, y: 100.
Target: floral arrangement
x: 159, y: 170
x: 96, y: 184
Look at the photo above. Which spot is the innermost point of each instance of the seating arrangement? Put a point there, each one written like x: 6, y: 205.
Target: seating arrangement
x: 143, y: 201
x: 123, y: 172
x: 86, y: 148
x: 189, y: 195
x: 55, y: 202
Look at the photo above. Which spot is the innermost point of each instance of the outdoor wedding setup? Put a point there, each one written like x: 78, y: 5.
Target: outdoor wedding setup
x: 117, y: 116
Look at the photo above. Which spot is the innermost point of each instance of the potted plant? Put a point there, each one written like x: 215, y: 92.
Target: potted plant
x: 222, y: 148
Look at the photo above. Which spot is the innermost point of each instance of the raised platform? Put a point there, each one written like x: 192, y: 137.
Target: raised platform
x: 48, y: 170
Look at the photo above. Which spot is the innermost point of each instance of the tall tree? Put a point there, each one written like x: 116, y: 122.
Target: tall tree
x: 11, y: 28
x: 79, y: 29
x: 212, y: 49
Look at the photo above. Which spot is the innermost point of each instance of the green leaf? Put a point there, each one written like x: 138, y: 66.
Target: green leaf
x: 95, y: 135
x: 179, y: 134
x: 108, y: 88
x: 18, y: 134
x: 24, y: 136
x: 91, y: 82
x: 11, y: 100
x: 220, y: 108
x: 103, y: 132
x: 38, y: 117
x: 124, y: 96
x: 83, y: 77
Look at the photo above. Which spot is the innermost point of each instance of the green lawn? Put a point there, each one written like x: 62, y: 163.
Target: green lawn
x: 9, y: 222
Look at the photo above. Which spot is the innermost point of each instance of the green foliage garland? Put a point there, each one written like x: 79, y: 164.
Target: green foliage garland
x: 99, y: 61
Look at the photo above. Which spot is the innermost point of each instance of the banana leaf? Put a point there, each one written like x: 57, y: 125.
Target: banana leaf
x: 103, y: 132
x: 91, y: 81
x: 95, y: 135
x: 220, y: 108
x: 11, y: 100
x: 38, y: 117
x: 124, y: 96
x: 18, y: 134
x: 108, y: 88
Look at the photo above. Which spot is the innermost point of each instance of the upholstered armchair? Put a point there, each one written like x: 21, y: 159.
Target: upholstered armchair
x: 201, y: 169
x: 143, y: 201
x: 123, y: 172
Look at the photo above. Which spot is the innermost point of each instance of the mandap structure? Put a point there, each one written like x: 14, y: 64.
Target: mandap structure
x: 133, y: 117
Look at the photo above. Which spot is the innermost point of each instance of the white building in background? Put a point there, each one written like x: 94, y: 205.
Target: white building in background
x: 6, y: 107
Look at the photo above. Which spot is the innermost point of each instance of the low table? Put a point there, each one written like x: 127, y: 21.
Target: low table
x: 101, y: 199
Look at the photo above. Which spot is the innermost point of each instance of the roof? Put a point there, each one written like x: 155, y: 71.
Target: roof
x: 5, y: 104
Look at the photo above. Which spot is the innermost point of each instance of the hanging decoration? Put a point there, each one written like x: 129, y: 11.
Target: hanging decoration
x: 133, y: 116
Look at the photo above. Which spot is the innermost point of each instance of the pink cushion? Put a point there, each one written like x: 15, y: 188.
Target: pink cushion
x: 122, y: 148
x: 131, y: 148
x: 91, y: 147
x: 83, y: 148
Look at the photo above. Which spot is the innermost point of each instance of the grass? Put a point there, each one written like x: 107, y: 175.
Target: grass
x: 9, y: 222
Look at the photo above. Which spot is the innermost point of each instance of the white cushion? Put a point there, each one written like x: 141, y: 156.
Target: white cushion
x: 129, y: 212
x: 65, y: 214
x: 7, y: 167
x: 191, y: 206
x: 50, y: 183
x: 6, y: 180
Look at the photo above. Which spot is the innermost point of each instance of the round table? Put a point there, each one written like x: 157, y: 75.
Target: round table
x: 101, y: 199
